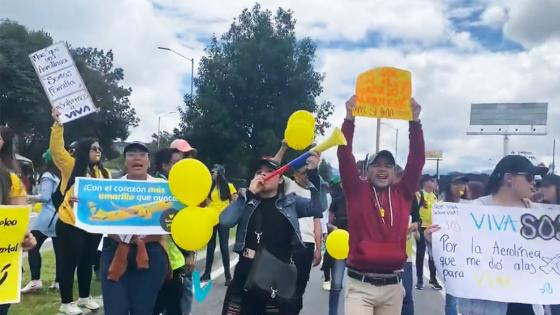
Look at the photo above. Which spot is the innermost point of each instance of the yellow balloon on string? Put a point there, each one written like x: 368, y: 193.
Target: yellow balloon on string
x: 190, y: 182
x: 192, y: 228
x: 299, y: 134
x: 337, y: 244
x: 302, y: 115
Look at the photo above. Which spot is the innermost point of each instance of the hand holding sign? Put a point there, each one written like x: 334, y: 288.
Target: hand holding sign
x: 384, y: 93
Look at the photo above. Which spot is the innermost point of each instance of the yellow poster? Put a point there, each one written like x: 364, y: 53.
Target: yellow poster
x: 13, y: 225
x: 384, y: 93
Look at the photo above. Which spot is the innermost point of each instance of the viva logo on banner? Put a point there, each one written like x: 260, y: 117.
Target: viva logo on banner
x: 495, y: 253
x: 13, y: 225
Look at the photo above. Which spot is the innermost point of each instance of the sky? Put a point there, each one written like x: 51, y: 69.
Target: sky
x: 459, y: 52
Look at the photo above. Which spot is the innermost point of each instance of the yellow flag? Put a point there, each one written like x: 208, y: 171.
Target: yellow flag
x: 13, y: 225
x: 384, y: 93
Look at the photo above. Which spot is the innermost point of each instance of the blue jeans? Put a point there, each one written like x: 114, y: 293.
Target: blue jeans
x: 450, y: 305
x: 337, y: 279
x: 408, y: 302
x: 187, y: 297
x: 136, y: 291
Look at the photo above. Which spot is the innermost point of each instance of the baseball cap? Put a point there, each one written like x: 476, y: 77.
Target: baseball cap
x: 183, y: 146
x: 517, y: 164
x: 335, y: 180
x: 47, y: 156
x: 268, y: 162
x: 383, y: 154
x: 136, y: 147
x: 426, y: 178
x: 460, y: 179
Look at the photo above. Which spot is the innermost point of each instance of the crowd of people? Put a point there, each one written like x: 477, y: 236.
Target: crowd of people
x: 281, y: 223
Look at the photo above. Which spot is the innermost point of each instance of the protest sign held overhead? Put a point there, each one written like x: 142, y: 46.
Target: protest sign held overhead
x: 116, y: 206
x: 62, y: 82
x: 13, y: 225
x: 384, y: 93
x: 498, y: 253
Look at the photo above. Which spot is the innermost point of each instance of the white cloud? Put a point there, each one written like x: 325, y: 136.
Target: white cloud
x: 493, y: 16
x: 533, y: 22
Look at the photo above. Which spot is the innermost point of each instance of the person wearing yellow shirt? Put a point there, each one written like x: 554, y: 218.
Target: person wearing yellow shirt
x: 221, y: 194
x: 426, y: 199
x: 12, y: 192
x: 77, y: 247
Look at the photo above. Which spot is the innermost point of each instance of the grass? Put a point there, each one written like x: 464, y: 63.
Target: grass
x: 45, y: 301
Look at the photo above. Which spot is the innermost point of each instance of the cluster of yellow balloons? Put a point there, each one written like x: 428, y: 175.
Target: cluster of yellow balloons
x: 337, y: 244
x: 190, y: 182
x: 300, y: 131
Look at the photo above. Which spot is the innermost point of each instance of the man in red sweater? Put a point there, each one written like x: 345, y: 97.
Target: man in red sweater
x: 378, y: 216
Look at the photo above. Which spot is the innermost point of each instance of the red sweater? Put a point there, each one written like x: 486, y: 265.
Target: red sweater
x: 376, y: 246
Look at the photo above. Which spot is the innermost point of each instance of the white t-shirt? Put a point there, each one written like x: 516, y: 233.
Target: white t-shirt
x: 325, y: 218
x: 306, y: 225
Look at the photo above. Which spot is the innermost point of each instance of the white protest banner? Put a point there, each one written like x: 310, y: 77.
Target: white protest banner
x: 62, y: 82
x: 497, y: 253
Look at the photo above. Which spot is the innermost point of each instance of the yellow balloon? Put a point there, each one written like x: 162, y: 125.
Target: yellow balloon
x: 299, y: 134
x: 338, y: 244
x: 190, y: 182
x: 302, y: 115
x: 191, y: 228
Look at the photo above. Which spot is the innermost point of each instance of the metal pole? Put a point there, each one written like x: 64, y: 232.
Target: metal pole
x: 192, y: 76
x: 506, y: 145
x: 396, y: 143
x: 553, y: 155
x: 378, y: 136
x: 158, y: 130
x: 437, y: 169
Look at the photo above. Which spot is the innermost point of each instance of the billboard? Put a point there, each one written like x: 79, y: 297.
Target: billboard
x: 508, y: 119
x: 434, y: 155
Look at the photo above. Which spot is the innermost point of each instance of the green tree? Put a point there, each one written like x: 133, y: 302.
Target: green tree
x: 25, y: 107
x: 250, y: 81
x: 325, y: 170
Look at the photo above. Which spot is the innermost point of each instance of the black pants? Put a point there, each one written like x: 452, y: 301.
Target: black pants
x: 303, y: 260
x: 77, y: 249
x: 420, y: 253
x: 328, y: 263
x: 4, y: 308
x: 169, y: 297
x: 223, y: 233
x: 34, y: 256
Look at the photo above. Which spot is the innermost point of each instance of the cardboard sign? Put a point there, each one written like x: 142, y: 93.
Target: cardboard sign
x: 62, y: 82
x: 503, y: 254
x: 384, y: 93
x: 13, y: 225
x: 119, y: 206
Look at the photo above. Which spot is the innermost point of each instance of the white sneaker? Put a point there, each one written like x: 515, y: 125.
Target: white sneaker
x: 326, y: 285
x: 32, y: 286
x: 88, y: 303
x: 54, y: 286
x: 70, y: 309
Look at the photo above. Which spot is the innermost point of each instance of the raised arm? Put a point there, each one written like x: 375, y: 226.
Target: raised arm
x: 416, y: 153
x: 231, y: 215
x: 347, y: 162
x: 281, y: 152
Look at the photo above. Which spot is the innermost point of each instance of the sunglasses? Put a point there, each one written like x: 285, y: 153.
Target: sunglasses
x: 529, y: 177
x: 96, y: 148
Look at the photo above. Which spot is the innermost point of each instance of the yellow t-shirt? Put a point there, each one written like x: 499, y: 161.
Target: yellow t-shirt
x: 18, y: 189
x: 216, y: 203
x: 426, y: 212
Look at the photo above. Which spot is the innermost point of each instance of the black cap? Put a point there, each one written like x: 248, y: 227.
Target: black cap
x: 463, y: 179
x: 515, y: 164
x: 73, y: 145
x: 268, y: 162
x: 551, y: 180
x: 426, y: 178
x: 383, y: 154
x: 136, y: 147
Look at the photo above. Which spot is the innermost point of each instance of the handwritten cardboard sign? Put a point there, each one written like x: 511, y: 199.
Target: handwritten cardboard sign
x: 119, y: 206
x: 62, y: 82
x: 13, y: 225
x: 497, y: 253
x: 384, y: 93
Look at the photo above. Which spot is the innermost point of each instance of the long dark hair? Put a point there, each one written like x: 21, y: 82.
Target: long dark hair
x: 7, y: 153
x: 494, y: 183
x: 82, y: 164
x: 50, y: 167
x: 221, y: 182
x: 5, y: 185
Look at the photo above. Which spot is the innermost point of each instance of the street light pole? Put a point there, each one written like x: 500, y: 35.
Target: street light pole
x: 184, y: 57
x: 159, y: 126
x: 396, y: 138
